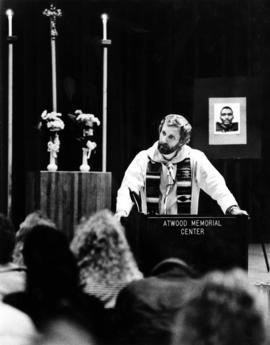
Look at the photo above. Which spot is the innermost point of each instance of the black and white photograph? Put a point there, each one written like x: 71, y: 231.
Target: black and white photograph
x: 227, y: 121
x: 134, y: 172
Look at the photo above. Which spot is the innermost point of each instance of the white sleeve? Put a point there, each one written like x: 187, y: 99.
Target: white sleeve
x: 212, y: 182
x: 134, y: 180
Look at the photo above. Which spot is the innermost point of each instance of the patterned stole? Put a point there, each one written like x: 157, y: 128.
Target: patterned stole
x: 153, y: 186
x: 183, y: 180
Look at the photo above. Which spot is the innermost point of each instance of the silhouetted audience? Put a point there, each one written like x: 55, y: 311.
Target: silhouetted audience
x: 105, y: 261
x: 12, y: 276
x: 32, y: 219
x: 92, y: 292
x: 147, y: 308
x: 223, y: 310
x: 52, y: 279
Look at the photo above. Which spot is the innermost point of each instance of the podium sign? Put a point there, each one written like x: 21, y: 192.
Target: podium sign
x: 206, y: 243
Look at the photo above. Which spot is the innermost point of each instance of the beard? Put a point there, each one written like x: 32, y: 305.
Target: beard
x: 165, y: 149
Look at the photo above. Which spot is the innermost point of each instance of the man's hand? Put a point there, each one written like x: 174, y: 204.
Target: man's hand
x: 118, y: 215
x: 236, y: 211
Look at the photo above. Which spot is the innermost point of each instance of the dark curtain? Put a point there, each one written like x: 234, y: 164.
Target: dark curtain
x: 159, y: 49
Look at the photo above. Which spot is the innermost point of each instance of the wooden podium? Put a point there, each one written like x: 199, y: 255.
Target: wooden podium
x: 67, y: 196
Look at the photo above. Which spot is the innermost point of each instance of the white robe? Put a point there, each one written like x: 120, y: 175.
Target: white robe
x: 204, y: 176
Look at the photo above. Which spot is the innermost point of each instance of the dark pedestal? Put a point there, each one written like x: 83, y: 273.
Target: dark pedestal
x: 206, y: 243
x: 67, y: 196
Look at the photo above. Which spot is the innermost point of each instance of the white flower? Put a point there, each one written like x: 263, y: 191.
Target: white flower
x: 91, y: 145
x: 53, y: 121
x: 87, y: 119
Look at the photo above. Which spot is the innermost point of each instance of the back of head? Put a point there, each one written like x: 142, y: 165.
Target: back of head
x: 49, y: 261
x: 179, y: 121
x: 171, y: 264
x: 7, y: 239
x: 31, y: 220
x: 103, y: 255
x: 100, y: 240
x: 223, y: 310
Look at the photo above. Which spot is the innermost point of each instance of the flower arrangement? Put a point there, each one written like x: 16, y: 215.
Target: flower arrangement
x: 86, y: 123
x: 52, y: 121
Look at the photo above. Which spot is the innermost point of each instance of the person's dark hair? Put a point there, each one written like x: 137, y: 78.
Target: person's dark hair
x: 179, y: 121
x: 171, y: 263
x: 226, y: 107
x: 7, y: 239
x: 50, y: 263
x: 32, y: 219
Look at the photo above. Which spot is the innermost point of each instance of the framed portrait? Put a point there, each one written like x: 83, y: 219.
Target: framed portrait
x: 245, y: 96
x: 227, y: 121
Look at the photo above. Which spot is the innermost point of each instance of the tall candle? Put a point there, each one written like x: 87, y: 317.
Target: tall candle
x: 9, y: 14
x: 104, y: 18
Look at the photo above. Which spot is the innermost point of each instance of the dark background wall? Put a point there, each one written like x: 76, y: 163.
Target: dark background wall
x: 160, y: 49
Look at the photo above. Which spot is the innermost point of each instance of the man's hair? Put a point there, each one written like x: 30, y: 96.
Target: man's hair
x: 180, y: 122
x: 224, y: 309
x: 7, y: 239
x: 226, y: 107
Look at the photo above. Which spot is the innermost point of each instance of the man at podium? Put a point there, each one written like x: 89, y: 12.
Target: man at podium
x: 167, y: 177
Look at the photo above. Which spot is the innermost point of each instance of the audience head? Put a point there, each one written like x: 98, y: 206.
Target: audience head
x: 7, y: 239
x: 171, y: 264
x: 50, y: 264
x: 223, y: 310
x: 74, y: 324
x: 32, y: 219
x: 65, y: 331
x: 104, y: 258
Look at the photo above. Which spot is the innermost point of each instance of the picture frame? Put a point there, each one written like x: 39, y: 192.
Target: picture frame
x: 227, y: 121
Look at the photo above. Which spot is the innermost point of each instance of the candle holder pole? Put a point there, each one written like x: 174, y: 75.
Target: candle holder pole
x: 11, y: 39
x: 105, y: 43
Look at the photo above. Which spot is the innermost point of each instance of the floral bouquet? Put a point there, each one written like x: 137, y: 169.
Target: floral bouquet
x: 86, y: 123
x: 53, y: 123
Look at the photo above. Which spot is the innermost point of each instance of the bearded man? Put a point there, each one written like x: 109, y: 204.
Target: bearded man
x: 167, y: 177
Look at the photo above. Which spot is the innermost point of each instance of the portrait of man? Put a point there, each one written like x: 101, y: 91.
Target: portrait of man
x: 226, y: 123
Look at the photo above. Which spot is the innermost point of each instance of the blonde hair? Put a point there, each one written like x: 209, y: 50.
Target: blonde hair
x: 103, y: 255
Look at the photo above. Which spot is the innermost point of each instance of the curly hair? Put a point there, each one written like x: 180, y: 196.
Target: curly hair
x: 179, y: 121
x: 103, y: 255
x: 224, y: 310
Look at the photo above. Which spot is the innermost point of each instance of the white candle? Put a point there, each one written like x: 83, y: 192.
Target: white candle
x: 104, y: 18
x: 9, y: 14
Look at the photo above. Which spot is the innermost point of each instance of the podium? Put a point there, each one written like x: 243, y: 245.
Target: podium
x: 67, y: 196
x: 204, y: 242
